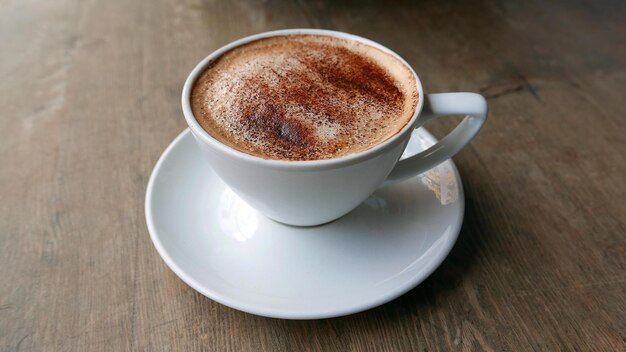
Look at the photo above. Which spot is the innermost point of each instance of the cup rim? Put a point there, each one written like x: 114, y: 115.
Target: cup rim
x: 345, y: 160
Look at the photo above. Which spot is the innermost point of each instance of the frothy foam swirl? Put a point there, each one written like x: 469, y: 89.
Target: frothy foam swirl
x: 304, y: 97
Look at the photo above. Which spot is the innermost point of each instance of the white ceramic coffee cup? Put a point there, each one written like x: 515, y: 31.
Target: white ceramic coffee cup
x: 306, y: 193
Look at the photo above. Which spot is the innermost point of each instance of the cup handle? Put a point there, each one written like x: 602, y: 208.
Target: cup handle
x: 436, y: 105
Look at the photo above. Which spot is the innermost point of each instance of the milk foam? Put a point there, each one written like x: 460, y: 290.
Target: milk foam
x: 304, y: 97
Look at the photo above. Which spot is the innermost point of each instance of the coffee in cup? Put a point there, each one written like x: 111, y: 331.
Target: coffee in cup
x: 304, y: 97
x: 304, y: 124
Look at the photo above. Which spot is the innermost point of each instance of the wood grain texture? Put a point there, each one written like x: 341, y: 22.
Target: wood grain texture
x: 89, y: 98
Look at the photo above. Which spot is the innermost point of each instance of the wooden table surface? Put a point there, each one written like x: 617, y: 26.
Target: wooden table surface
x: 90, y: 97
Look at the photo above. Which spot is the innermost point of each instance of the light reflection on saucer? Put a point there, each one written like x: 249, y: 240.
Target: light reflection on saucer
x: 236, y: 218
x: 376, y: 202
x: 441, y: 179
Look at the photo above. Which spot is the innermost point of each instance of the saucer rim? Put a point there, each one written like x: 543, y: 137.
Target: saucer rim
x: 234, y: 303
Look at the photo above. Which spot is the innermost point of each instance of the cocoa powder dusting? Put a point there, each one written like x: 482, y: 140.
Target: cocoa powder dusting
x: 304, y: 97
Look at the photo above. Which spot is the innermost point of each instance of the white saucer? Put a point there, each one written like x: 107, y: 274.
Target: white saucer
x: 230, y: 253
